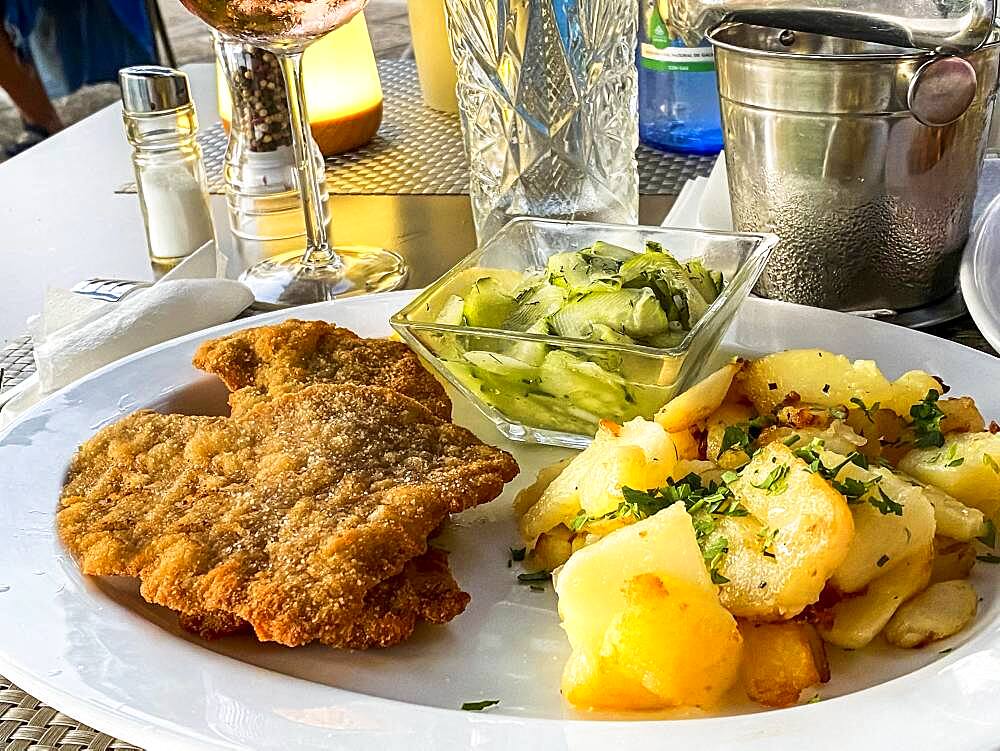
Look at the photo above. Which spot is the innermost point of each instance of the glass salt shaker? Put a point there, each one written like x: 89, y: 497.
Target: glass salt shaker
x: 262, y: 193
x: 160, y: 124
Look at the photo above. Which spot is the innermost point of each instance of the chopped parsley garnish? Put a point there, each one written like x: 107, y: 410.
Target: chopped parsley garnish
x: 989, y: 535
x: 867, y: 410
x: 775, y: 482
x: 534, y: 576
x: 706, y: 503
x: 883, y: 559
x: 850, y: 488
x: 792, y: 440
x: 992, y: 463
x: 810, y: 455
x: 479, y: 706
x: 517, y: 554
x: 927, y: 421
x: 885, y: 504
x: 815, y: 700
x: 853, y: 489
x: 713, y: 552
x: 838, y: 413
x: 760, y: 422
x: 766, y: 535
x: 735, y: 437
x: 949, y: 457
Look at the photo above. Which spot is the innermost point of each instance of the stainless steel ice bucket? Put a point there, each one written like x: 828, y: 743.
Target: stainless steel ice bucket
x: 863, y: 158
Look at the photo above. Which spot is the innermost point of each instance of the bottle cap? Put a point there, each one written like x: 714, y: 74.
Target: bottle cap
x: 152, y: 88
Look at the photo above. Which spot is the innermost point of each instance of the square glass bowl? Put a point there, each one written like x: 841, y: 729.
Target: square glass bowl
x: 559, y: 399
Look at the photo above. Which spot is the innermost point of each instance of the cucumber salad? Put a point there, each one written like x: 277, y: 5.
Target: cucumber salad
x: 603, y: 293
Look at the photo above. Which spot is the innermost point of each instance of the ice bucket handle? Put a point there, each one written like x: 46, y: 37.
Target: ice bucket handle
x: 943, y: 26
x: 941, y: 90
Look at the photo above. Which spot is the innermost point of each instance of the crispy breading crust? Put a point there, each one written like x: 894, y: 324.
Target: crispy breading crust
x: 424, y: 591
x: 268, y: 361
x: 286, y: 516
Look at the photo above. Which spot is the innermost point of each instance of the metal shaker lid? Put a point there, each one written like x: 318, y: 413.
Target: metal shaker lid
x: 153, y: 88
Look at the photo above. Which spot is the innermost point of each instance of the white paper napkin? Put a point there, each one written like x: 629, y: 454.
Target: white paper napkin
x: 75, y: 335
x: 703, y: 202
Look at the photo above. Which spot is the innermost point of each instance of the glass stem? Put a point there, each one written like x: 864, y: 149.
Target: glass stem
x: 318, y: 252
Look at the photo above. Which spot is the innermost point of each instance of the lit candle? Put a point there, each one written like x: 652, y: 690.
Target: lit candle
x: 343, y: 92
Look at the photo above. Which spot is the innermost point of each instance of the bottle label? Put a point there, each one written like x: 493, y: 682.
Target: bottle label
x: 697, y: 59
x: 660, y: 52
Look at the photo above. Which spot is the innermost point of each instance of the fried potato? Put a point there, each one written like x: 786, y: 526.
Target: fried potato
x: 529, y: 496
x: 591, y: 584
x: 727, y: 415
x: 829, y: 380
x: 952, y: 559
x: 699, y: 401
x: 966, y: 467
x: 855, y: 621
x: 939, y: 611
x: 961, y: 415
x: 881, y: 540
x: 639, y: 454
x: 881, y: 429
x: 781, y: 659
x: 837, y: 437
x: 644, y: 620
x: 675, y: 640
x: 952, y: 518
x: 810, y: 529
x: 685, y: 444
x: 552, y: 549
x: 590, y: 681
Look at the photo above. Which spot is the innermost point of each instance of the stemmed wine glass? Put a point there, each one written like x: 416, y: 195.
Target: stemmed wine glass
x: 321, y: 271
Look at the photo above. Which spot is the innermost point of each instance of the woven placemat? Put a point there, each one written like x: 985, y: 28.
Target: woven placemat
x: 16, y: 362
x: 418, y: 151
x: 28, y: 725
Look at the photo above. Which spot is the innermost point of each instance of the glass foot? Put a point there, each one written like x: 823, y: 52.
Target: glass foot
x: 353, y: 270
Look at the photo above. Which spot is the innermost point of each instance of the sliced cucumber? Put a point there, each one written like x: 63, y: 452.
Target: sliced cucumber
x: 708, y: 283
x: 534, y: 305
x: 582, y: 272
x: 503, y: 365
x: 613, y: 252
x: 487, y: 304
x: 668, y: 339
x: 568, y: 270
x: 633, y: 312
x: 584, y: 384
x: 452, y: 312
x: 530, y: 352
x: 646, y: 400
x: 544, y: 411
x: 603, y: 333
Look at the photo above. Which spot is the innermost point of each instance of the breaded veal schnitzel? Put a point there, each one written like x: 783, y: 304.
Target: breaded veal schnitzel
x: 259, y: 363
x: 305, y: 516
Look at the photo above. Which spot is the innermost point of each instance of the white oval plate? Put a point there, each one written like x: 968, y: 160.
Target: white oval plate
x: 979, y: 274
x: 97, y: 651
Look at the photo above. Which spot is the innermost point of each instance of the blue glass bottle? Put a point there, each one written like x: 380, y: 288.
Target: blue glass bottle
x: 678, y: 98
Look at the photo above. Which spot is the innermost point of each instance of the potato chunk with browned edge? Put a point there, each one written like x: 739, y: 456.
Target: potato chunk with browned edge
x: 780, y: 660
x: 798, y: 532
x: 644, y: 620
x: 940, y: 610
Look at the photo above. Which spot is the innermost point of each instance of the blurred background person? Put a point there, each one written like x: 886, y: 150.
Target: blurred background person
x: 50, y: 48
